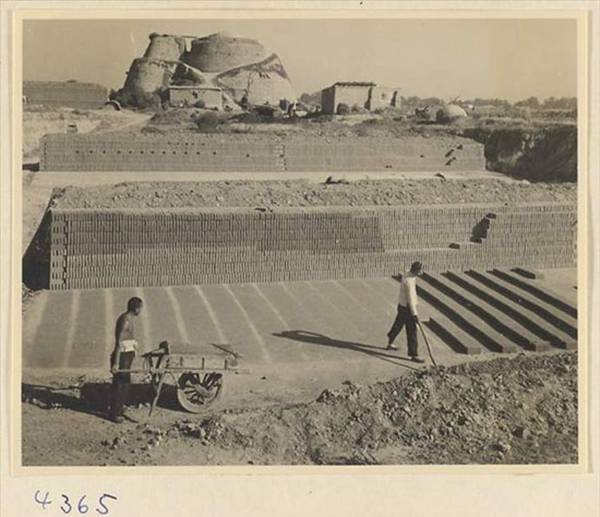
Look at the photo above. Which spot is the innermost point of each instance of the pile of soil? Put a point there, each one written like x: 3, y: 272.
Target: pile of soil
x: 548, y: 154
x: 521, y: 410
x: 301, y: 193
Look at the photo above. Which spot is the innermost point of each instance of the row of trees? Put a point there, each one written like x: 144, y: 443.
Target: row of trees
x: 549, y: 103
x: 531, y: 102
x: 418, y: 102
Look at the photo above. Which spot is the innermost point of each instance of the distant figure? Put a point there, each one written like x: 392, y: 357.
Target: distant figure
x: 122, y: 357
x: 244, y: 101
x: 291, y: 110
x: 407, y: 312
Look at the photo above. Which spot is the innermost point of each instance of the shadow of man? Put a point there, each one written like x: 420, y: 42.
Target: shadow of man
x: 370, y: 350
x: 92, y: 398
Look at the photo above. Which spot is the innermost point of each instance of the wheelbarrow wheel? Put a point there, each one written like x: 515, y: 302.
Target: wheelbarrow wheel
x: 196, y: 390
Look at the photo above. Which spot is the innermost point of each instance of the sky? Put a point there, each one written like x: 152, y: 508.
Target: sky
x: 508, y: 59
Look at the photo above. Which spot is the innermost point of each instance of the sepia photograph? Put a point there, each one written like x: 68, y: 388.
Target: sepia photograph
x: 300, y: 241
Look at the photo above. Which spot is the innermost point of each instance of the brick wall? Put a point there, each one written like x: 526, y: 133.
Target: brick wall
x: 60, y: 152
x: 120, y: 248
x: 67, y: 94
x: 328, y: 100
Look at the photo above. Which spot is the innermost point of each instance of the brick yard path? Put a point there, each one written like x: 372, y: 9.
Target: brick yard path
x: 302, y: 323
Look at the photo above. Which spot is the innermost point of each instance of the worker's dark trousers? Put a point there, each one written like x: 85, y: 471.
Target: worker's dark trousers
x: 120, y: 384
x: 404, y: 317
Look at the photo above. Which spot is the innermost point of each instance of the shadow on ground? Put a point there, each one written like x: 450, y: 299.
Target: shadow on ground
x: 370, y: 350
x: 36, y: 260
x: 31, y: 166
x: 93, y: 397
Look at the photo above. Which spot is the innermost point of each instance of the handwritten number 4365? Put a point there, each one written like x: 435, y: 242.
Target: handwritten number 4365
x: 67, y: 506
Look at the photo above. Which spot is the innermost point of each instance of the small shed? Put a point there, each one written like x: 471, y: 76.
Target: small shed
x: 365, y: 95
x: 210, y: 97
x: 349, y: 93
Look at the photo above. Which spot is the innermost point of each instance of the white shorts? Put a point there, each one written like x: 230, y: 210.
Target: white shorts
x: 128, y: 345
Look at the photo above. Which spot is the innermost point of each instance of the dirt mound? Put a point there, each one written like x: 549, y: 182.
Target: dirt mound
x: 514, y: 411
x: 246, y: 193
x: 548, y: 154
x: 174, y: 117
x: 536, y: 150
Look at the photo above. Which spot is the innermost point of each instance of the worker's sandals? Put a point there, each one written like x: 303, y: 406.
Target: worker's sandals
x: 417, y: 359
x: 391, y: 347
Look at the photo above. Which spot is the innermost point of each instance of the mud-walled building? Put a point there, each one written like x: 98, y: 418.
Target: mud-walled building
x: 363, y: 95
x: 237, y: 66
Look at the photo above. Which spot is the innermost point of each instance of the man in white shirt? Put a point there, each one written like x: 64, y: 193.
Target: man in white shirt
x: 407, y: 312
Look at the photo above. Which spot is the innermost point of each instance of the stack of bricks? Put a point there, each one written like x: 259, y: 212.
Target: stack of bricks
x: 150, y: 247
x: 383, y: 154
x: 543, y: 235
x: 252, y: 153
x: 72, y: 152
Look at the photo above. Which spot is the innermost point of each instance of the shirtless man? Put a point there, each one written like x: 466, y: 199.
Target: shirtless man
x: 122, y: 357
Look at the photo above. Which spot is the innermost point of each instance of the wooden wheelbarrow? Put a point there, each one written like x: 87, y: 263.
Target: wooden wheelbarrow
x: 198, y: 378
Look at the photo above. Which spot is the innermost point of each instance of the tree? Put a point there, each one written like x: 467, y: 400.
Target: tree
x: 562, y: 103
x: 531, y: 102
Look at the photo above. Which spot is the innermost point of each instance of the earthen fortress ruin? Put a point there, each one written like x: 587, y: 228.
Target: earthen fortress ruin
x: 236, y: 66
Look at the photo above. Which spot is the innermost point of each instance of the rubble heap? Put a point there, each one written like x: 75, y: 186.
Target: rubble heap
x: 519, y: 410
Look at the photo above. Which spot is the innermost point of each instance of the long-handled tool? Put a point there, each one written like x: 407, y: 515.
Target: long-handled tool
x: 157, y: 394
x: 427, y: 343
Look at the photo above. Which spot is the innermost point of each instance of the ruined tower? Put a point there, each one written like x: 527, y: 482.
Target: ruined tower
x: 237, y: 66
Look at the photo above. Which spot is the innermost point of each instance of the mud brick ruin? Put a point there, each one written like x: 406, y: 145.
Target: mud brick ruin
x: 71, y: 94
x: 235, y: 66
x: 152, y: 247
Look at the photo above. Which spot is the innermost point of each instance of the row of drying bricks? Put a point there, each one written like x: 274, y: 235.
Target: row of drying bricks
x: 564, y: 255
x: 257, y: 267
x: 365, y: 237
x: 72, y: 154
x: 135, y: 280
x: 259, y: 260
x: 390, y: 222
x: 82, y: 238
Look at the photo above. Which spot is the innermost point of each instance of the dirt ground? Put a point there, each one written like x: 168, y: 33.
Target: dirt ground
x: 519, y: 409
x: 390, y: 123
x: 514, y: 410
x: 284, y: 193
